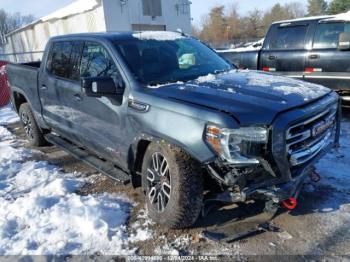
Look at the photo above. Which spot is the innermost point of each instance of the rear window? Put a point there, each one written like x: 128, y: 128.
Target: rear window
x: 327, y: 35
x: 58, y: 64
x: 289, y: 37
x: 64, y: 59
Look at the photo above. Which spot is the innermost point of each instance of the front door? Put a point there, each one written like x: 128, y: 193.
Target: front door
x: 100, y: 121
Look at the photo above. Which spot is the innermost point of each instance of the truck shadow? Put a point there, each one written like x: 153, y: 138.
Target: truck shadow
x: 237, y: 214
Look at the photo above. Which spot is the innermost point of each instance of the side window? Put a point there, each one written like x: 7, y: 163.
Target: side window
x: 59, y: 62
x: 96, y: 62
x: 327, y: 34
x: 289, y: 37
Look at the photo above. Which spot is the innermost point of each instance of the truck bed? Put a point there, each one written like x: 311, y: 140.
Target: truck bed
x: 23, y: 80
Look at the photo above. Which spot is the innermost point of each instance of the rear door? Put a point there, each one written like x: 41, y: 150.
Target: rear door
x: 285, y: 50
x: 59, y: 85
x: 326, y: 64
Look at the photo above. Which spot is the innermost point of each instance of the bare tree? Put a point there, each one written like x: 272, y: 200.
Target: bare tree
x: 10, y: 22
x: 295, y: 9
x: 252, y: 25
x: 214, y: 26
x: 224, y: 24
x: 233, y: 19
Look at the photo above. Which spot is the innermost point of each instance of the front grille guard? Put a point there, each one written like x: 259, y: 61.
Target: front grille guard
x: 279, y: 140
x: 305, y: 139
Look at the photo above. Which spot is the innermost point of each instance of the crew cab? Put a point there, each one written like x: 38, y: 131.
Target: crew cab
x: 164, y: 111
x: 314, y: 49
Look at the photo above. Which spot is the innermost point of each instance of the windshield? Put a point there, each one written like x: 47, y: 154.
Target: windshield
x: 157, y: 62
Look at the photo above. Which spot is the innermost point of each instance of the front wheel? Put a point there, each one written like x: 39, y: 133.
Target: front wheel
x: 173, y: 184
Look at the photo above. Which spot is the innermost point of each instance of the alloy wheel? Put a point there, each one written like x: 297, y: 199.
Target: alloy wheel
x: 27, y: 123
x: 158, y: 182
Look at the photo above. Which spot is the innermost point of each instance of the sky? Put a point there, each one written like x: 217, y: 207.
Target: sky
x: 41, y: 8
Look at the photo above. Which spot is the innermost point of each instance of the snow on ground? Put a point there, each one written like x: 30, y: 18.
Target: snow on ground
x: 41, y: 212
x: 334, y: 168
x: 7, y: 115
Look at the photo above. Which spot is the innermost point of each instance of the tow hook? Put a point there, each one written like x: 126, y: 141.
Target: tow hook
x: 290, y: 203
x: 315, y: 176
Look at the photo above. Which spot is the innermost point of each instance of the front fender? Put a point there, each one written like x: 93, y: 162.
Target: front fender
x: 179, y: 124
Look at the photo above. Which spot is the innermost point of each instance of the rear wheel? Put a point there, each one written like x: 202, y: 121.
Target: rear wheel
x: 34, y: 135
x: 173, y: 184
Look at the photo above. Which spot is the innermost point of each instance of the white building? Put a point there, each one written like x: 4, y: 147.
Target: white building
x: 28, y: 43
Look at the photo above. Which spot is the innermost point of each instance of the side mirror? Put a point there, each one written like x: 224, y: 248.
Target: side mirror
x: 100, y: 86
x: 344, y: 41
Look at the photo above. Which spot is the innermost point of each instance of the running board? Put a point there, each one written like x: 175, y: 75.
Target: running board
x: 104, y: 167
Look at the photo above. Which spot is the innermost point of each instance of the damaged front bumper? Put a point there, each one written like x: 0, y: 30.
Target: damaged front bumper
x: 273, y: 190
x: 280, y: 180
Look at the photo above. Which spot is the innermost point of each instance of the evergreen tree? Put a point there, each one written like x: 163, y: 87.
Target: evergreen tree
x: 316, y: 7
x: 338, y: 6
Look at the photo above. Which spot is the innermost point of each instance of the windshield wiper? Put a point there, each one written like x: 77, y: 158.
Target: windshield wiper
x: 216, y: 72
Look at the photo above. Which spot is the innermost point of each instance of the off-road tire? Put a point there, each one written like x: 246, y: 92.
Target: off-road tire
x: 35, y: 136
x: 186, y: 196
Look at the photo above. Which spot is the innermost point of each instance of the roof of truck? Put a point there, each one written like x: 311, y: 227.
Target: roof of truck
x: 304, y: 19
x: 143, y: 35
x: 338, y: 17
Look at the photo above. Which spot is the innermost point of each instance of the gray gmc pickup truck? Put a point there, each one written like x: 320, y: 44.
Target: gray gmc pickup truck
x: 164, y: 111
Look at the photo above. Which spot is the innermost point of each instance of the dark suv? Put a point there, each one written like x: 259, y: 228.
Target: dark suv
x: 164, y: 108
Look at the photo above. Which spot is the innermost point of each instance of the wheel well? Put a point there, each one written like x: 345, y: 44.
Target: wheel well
x: 19, y: 99
x: 140, y: 153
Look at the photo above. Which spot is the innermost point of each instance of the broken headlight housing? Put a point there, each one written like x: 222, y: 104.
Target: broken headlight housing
x: 230, y: 144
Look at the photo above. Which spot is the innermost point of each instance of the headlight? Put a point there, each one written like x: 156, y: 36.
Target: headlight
x: 228, y: 143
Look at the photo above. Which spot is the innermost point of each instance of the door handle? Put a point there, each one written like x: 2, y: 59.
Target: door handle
x: 272, y: 57
x: 43, y: 87
x: 78, y: 97
x: 314, y: 56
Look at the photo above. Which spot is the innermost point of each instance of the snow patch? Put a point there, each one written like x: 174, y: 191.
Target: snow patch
x: 41, y: 212
x: 177, y: 247
x: 206, y: 79
x: 166, y: 84
x: 8, y: 116
x: 334, y: 167
x: 339, y: 17
x: 248, y: 47
x: 286, y: 86
x: 325, y: 18
x: 158, y: 35
x: 141, y: 228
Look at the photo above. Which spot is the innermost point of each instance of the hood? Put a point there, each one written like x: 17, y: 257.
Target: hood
x: 252, y: 97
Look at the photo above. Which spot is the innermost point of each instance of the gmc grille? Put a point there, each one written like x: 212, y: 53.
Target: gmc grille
x: 308, y: 137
